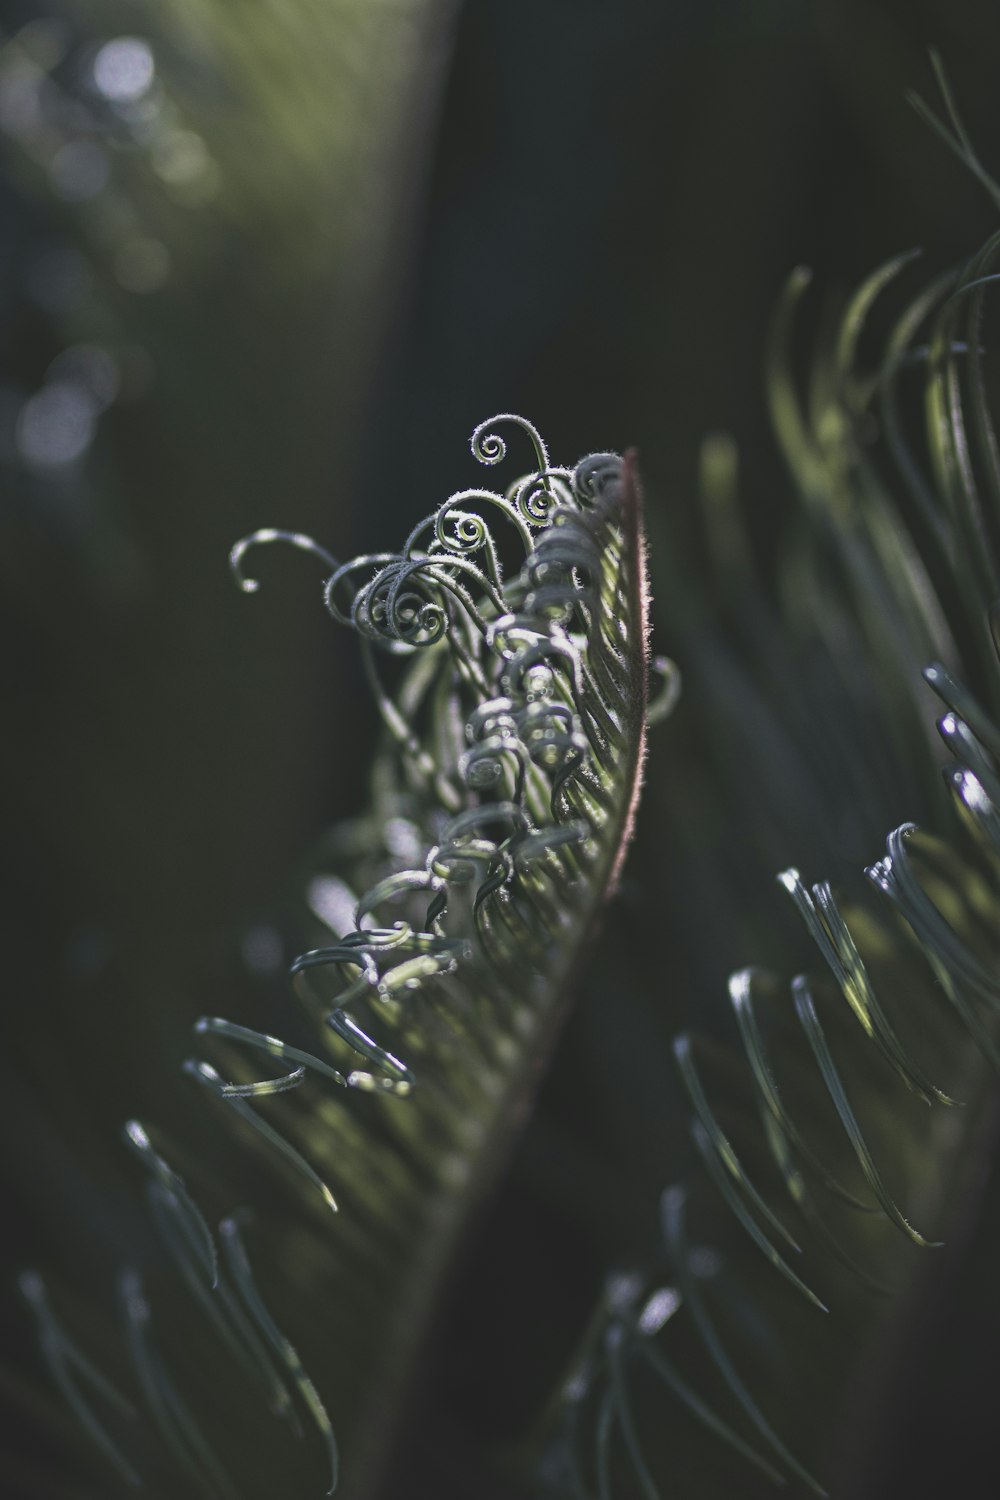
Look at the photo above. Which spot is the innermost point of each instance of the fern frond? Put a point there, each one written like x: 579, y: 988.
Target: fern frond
x: 514, y: 712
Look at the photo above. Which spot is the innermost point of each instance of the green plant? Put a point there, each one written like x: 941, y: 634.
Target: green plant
x: 513, y: 744
x: 502, y: 802
x: 852, y: 1129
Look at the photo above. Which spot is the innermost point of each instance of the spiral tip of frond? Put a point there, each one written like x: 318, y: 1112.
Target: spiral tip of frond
x: 488, y: 447
x: 238, y: 551
x: 265, y: 536
x: 561, y: 692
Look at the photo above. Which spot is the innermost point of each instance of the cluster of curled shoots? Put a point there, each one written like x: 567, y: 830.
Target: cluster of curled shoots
x: 509, y: 724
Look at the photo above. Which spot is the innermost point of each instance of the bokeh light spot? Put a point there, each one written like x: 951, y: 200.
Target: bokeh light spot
x: 262, y: 950
x: 142, y: 265
x: 90, y: 367
x: 124, y: 69
x: 332, y: 901
x: 56, y: 426
x: 180, y: 157
x: 79, y: 170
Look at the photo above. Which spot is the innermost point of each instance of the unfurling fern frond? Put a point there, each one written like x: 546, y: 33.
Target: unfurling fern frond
x: 514, y: 746
x: 514, y: 711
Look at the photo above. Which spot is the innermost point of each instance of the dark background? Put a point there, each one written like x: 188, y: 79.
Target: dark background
x: 415, y: 216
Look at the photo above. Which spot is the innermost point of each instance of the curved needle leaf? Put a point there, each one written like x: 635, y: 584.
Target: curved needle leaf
x: 817, y: 1040
x: 713, y: 1139
x: 802, y: 1197
x: 658, y: 1361
x: 623, y: 1406
x: 740, y: 995
x: 215, y: 1026
x: 829, y: 931
x: 209, y: 1078
x: 62, y: 1356
x: 196, y: 1230
x: 753, y: 1229
x: 193, y: 1453
x: 672, y: 1213
x: 218, y: 1304
x: 239, y: 1265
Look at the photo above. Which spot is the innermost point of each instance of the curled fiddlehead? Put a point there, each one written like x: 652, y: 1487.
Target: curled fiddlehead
x: 514, y: 744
